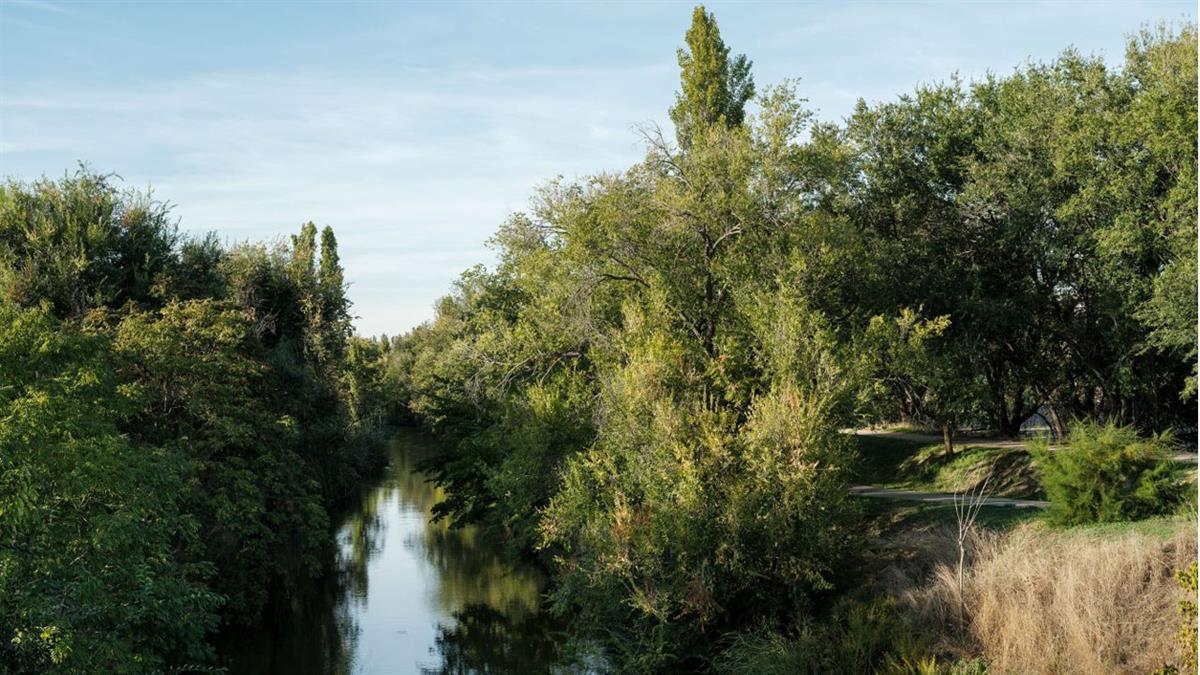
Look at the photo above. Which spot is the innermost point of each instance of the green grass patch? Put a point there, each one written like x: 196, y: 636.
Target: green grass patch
x: 1011, y: 471
x: 895, y: 515
x: 914, y: 465
x: 912, y: 429
x: 1158, y: 526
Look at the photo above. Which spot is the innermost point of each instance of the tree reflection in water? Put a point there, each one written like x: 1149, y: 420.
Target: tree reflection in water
x: 483, y: 640
x: 443, y: 600
x: 315, y: 634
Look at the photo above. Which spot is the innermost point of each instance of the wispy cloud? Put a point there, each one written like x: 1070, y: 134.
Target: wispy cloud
x: 42, y: 6
x: 414, y: 172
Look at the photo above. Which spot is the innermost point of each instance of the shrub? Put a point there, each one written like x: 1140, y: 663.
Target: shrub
x: 858, y: 637
x: 1106, y: 473
x: 683, y: 522
x: 1188, y: 633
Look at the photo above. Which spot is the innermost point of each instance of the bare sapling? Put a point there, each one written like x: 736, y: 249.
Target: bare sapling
x: 966, y: 510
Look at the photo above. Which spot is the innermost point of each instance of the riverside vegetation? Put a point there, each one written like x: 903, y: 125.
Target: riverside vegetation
x: 644, y: 394
x: 177, y: 420
x: 645, y: 391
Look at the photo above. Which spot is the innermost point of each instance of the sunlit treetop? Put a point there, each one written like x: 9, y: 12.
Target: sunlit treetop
x: 714, y: 88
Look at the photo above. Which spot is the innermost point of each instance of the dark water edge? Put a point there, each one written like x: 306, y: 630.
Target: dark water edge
x: 404, y: 595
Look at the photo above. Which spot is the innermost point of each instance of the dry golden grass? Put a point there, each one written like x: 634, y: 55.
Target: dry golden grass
x: 1075, y: 601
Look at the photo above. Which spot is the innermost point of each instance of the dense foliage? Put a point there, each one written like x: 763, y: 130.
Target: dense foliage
x: 857, y: 637
x: 646, y: 389
x: 1105, y: 474
x: 176, y: 419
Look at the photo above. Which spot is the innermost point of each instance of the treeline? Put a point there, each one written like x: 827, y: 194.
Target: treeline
x: 646, y: 389
x: 177, y: 420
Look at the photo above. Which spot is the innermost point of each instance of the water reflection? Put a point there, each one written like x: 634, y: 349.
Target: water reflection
x: 483, y: 640
x: 408, y: 596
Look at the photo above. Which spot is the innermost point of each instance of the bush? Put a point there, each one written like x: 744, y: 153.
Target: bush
x: 857, y: 637
x: 1188, y: 632
x: 683, y: 522
x: 1187, y: 635
x: 1107, y: 474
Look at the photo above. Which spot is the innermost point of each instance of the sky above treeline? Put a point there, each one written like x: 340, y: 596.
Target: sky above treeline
x: 415, y: 129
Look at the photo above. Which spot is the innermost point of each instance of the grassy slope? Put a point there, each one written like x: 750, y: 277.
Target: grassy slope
x: 914, y: 465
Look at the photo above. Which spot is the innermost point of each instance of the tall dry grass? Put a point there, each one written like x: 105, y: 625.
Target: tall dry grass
x: 1075, y: 601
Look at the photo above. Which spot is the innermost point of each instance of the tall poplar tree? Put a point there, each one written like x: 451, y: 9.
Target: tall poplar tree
x: 330, y: 271
x: 304, y: 249
x: 331, y: 286
x: 715, y: 88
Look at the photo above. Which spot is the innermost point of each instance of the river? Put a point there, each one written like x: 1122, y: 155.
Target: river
x: 406, y: 595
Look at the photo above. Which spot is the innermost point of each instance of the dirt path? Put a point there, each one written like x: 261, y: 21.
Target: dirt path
x: 941, y: 497
x: 959, y: 441
x: 978, y: 442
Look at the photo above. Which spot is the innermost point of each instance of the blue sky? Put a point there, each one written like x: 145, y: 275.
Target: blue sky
x: 414, y: 129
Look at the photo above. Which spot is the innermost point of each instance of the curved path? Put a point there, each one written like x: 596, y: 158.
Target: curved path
x: 963, y: 441
x: 977, y: 442
x: 941, y: 497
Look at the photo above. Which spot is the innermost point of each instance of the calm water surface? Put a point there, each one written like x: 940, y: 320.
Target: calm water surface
x: 408, y: 596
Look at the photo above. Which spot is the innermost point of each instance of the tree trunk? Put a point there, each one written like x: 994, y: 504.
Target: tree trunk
x: 948, y: 438
x: 1057, y: 429
x: 1011, y: 419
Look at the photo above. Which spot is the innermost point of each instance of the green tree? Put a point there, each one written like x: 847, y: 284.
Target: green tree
x: 331, y: 277
x: 192, y: 372
x: 680, y: 523
x: 80, y: 243
x: 1060, y: 171
x: 931, y: 385
x: 100, y: 565
x: 715, y: 88
x: 175, y: 422
x: 304, y: 252
x: 1160, y: 201
x: 1040, y: 212
x: 335, y: 318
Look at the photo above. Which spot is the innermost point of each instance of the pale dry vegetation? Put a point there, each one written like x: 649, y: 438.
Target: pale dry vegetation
x: 1063, y: 601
